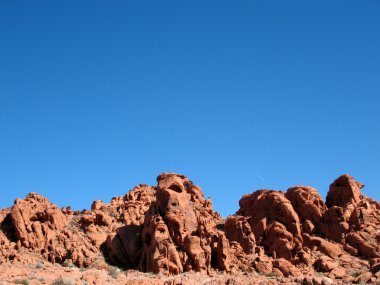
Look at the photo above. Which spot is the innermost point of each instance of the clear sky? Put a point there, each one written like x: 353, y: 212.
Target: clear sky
x: 99, y: 96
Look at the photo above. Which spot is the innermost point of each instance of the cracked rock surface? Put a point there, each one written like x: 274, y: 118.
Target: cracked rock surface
x: 171, y: 229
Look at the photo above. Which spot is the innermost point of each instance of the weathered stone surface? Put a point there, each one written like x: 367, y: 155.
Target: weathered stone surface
x: 41, y: 225
x: 307, y: 203
x: 171, y: 229
x: 238, y: 229
x: 329, y: 248
x: 338, y: 273
x: 344, y: 190
x: 325, y: 264
x: 274, y: 222
x: 363, y: 278
x: 123, y: 239
x: 287, y: 268
x: 185, y: 226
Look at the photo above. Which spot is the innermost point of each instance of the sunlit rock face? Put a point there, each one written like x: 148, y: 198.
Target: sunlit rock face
x: 274, y: 222
x: 188, y: 223
x: 343, y: 191
x: 171, y: 228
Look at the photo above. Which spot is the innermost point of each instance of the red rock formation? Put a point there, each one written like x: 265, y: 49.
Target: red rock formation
x: 124, y: 244
x: 172, y: 228
x: 237, y: 228
x: 274, y: 222
x: 185, y: 225
x: 344, y: 190
x: 41, y: 225
x: 352, y: 219
x: 308, y: 204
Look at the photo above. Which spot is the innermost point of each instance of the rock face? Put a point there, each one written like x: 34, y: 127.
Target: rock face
x: 352, y: 219
x: 309, y: 206
x: 238, y: 229
x: 180, y: 230
x: 274, y: 222
x: 124, y: 243
x: 171, y: 228
x: 42, y: 226
x: 343, y: 191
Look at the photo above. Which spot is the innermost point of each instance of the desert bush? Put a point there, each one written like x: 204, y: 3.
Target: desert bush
x: 271, y: 274
x: 23, y: 282
x: 113, y: 271
x: 64, y: 281
x: 40, y: 265
x: 68, y: 263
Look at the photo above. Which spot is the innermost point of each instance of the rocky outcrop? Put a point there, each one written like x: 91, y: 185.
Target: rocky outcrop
x: 171, y: 228
x: 308, y: 205
x: 274, y: 222
x: 343, y: 191
x: 352, y: 219
x: 43, y: 227
x: 238, y: 229
x: 124, y: 244
x: 298, y: 227
x: 180, y: 231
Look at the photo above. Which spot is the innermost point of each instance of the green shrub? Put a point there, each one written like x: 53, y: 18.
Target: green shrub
x: 113, y: 271
x: 23, y: 282
x: 40, y: 265
x: 271, y: 274
x: 63, y: 281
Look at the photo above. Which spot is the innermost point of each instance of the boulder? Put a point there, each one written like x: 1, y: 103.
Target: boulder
x: 344, y: 190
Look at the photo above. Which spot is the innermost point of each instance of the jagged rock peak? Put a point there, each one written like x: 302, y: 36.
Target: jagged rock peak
x: 344, y: 190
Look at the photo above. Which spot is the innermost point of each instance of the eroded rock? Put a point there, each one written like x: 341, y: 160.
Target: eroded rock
x: 171, y: 229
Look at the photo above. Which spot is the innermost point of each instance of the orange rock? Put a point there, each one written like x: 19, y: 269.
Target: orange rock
x: 181, y: 222
x: 338, y: 273
x: 307, y: 203
x: 325, y: 264
x: 344, y: 190
x: 363, y: 278
x: 274, y: 222
x: 171, y: 228
x: 287, y: 268
x: 238, y: 229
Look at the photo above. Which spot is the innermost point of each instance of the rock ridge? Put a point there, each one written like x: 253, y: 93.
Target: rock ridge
x: 171, y: 228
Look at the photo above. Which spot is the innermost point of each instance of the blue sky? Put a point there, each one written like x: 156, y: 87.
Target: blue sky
x: 97, y: 97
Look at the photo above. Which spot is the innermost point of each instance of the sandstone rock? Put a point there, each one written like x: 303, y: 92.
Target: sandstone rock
x: 335, y: 224
x: 263, y: 265
x: 331, y: 249
x: 344, y: 190
x: 238, y: 229
x: 124, y: 240
x: 363, y: 245
x: 34, y: 220
x: 363, y: 278
x: 180, y: 230
x: 41, y: 225
x: 279, y: 242
x: 172, y: 229
x: 325, y: 264
x: 94, y: 277
x: 287, y: 268
x: 338, y: 273
x: 271, y: 214
x: 307, y: 203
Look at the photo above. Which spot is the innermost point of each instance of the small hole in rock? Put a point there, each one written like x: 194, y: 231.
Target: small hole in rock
x: 175, y: 188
